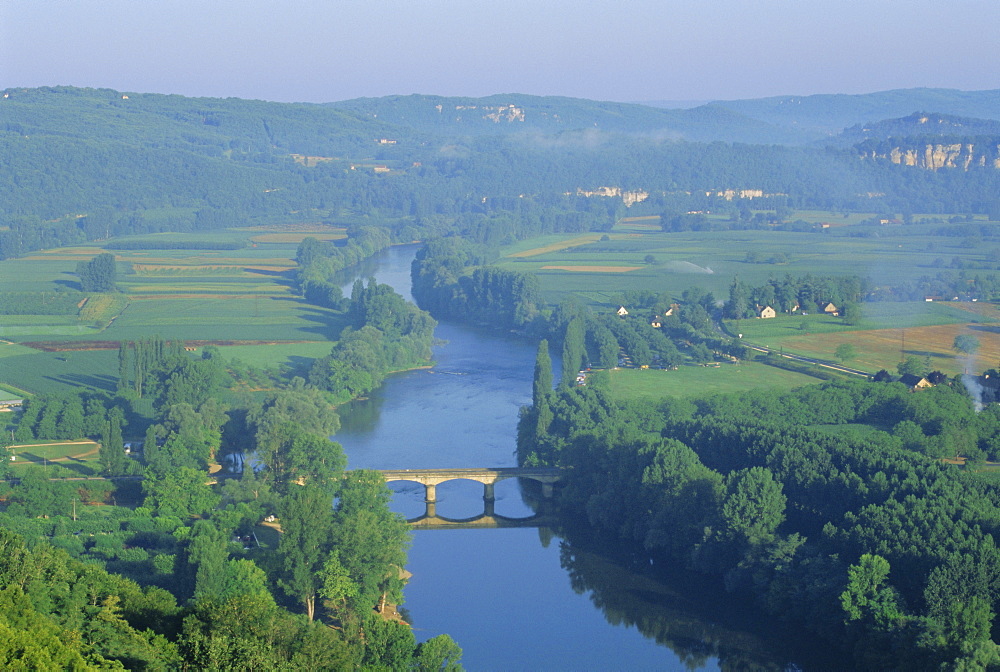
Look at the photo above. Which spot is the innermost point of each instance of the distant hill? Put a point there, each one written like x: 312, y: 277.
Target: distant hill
x: 826, y: 115
x: 212, y: 126
x: 920, y: 125
x: 519, y: 113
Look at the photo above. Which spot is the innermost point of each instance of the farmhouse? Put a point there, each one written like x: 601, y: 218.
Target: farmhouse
x: 621, y: 312
x: 830, y: 309
x: 765, y: 312
x: 657, y: 320
x: 915, y: 382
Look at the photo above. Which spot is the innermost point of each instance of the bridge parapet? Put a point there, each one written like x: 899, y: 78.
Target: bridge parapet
x: 488, y: 476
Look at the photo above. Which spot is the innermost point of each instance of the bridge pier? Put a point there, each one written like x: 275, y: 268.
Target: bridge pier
x: 489, y: 493
x: 430, y: 492
x: 547, y: 490
x: 430, y: 509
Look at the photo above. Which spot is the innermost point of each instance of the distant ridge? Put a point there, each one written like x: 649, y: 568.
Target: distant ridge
x: 828, y: 114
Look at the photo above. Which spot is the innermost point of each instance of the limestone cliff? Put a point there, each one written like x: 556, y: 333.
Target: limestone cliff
x: 938, y: 155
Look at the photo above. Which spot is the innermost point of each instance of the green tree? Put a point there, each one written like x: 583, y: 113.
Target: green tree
x: 866, y: 598
x: 574, y: 350
x: 370, y: 539
x: 913, y: 366
x: 845, y: 352
x: 852, y: 314
x: 965, y: 344
x: 738, y: 306
x: 306, y: 534
x: 438, y: 654
x: 99, y: 274
x: 754, y: 505
x: 542, y: 381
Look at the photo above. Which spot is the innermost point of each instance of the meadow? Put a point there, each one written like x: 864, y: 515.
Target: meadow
x: 700, y: 381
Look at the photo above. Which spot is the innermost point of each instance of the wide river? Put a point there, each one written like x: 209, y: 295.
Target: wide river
x: 532, y: 598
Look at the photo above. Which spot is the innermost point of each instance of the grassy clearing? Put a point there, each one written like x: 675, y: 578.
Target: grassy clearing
x: 276, y: 355
x: 55, y: 451
x: 698, y: 381
x: 40, y: 372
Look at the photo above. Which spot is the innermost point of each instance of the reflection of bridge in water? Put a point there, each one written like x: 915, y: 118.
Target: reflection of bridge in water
x: 431, y: 478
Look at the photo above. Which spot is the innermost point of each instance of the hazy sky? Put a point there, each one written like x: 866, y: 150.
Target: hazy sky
x: 326, y: 50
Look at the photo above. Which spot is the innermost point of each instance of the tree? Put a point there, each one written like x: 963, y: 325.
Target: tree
x: 574, y: 350
x: 866, y: 598
x: 98, y: 274
x: 845, y: 352
x: 913, y: 366
x: 306, y: 535
x: 852, y: 314
x: 439, y: 654
x: 542, y: 385
x: 754, y: 505
x: 738, y: 305
x: 965, y: 344
x: 370, y: 539
x: 649, y: 259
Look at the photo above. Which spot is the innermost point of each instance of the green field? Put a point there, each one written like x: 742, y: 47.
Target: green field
x: 699, y: 381
x: 240, y: 295
x: 711, y: 259
x: 60, y: 459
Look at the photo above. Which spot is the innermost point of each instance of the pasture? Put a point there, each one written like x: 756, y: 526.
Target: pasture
x: 700, y: 381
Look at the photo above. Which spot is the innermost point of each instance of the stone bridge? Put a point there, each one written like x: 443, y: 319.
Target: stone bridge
x: 431, y: 478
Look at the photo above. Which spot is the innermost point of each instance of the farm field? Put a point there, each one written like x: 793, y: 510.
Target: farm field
x: 884, y: 348
x: 61, y: 459
x: 172, y: 289
x: 711, y: 259
x: 698, y: 381
x: 888, y: 333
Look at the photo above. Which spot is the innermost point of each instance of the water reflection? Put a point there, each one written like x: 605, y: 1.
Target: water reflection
x: 688, y: 613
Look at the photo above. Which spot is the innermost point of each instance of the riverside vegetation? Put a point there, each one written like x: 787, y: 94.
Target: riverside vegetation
x: 828, y: 504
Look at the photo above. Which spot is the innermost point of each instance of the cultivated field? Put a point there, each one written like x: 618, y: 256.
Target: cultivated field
x: 711, y: 259
x: 888, y: 333
x: 174, y: 290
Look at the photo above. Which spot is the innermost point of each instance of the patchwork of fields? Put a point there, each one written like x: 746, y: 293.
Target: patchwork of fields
x: 637, y: 255
x: 236, y: 285
x: 191, y: 292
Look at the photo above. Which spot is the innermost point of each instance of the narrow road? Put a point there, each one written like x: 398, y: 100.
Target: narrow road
x: 809, y: 360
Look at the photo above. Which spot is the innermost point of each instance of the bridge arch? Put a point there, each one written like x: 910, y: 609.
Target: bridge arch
x: 488, y: 476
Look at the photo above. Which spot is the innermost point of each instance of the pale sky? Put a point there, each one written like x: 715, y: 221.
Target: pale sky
x: 328, y: 50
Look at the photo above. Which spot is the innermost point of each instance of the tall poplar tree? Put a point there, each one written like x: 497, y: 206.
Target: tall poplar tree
x: 574, y: 350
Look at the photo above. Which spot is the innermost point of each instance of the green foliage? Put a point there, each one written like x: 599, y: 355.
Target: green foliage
x: 966, y: 344
x: 99, y: 274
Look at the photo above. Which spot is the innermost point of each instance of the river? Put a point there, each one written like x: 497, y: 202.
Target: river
x: 529, y: 598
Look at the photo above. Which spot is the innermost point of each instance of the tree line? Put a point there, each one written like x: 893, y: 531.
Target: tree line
x: 827, y: 505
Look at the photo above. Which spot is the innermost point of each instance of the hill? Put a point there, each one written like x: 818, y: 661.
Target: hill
x: 826, y: 115
x: 520, y: 113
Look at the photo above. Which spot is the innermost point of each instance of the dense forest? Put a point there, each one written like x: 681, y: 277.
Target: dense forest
x: 826, y: 504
